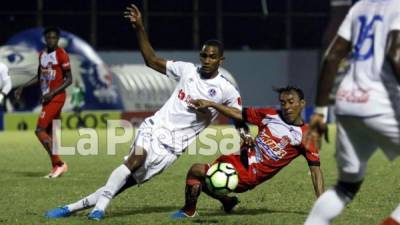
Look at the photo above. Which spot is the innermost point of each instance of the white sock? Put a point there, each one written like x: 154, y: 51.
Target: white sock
x: 86, y: 202
x: 328, y: 206
x: 396, y: 214
x: 116, y: 180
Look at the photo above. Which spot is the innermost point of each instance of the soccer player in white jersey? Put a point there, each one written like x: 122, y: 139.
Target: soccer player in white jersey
x: 367, y: 101
x: 163, y: 136
x: 5, y: 84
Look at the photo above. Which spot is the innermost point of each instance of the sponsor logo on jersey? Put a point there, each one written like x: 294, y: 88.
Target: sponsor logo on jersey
x: 353, y: 96
x: 271, y: 148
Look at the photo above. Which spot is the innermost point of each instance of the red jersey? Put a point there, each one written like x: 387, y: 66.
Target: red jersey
x: 51, y: 76
x: 277, y: 143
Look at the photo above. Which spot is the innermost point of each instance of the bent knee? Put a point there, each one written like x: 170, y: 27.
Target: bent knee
x: 197, y: 170
x: 136, y: 159
x: 39, y: 130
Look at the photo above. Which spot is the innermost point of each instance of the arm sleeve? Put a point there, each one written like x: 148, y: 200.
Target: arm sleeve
x: 64, y: 61
x: 344, y: 30
x: 395, y: 20
x: 6, y: 80
x: 255, y: 116
x: 232, y: 98
x: 177, y: 70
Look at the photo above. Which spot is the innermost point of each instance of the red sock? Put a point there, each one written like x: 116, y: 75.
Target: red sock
x: 46, y: 141
x: 389, y: 221
x: 56, y: 161
x: 192, y: 193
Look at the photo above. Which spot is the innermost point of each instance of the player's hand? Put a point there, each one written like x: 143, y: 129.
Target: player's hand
x: 47, y: 97
x: 134, y: 15
x: 17, y: 93
x: 200, y: 103
x: 317, y: 129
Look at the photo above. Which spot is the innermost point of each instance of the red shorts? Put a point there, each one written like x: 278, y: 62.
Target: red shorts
x: 50, y: 111
x: 247, y: 177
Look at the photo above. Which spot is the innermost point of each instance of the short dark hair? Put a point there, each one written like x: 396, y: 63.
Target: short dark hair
x: 215, y: 43
x: 289, y: 88
x: 51, y: 29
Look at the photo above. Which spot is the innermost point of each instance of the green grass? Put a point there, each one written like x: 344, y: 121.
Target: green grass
x: 284, y: 200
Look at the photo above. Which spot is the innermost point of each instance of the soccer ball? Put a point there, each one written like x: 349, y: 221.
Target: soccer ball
x: 222, y: 178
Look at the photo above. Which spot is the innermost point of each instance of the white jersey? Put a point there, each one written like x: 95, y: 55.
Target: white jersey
x: 5, y: 80
x: 177, y: 124
x: 366, y: 86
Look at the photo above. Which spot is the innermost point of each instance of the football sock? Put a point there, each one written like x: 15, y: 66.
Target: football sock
x: 116, y: 180
x: 91, y: 200
x: 192, y: 193
x: 86, y: 202
x: 56, y: 161
x: 328, y: 206
x: 46, y: 141
x: 389, y: 221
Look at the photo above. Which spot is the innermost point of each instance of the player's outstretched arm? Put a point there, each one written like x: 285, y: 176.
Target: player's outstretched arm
x: 317, y: 179
x: 393, y: 52
x: 151, y: 59
x: 230, y: 112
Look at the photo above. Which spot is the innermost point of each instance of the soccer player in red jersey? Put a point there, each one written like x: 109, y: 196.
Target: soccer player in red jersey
x: 280, y: 140
x: 54, y: 75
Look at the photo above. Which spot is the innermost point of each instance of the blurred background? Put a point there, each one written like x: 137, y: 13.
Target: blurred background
x: 268, y: 43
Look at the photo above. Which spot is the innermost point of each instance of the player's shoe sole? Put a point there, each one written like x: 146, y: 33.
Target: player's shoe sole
x: 58, y: 213
x: 182, y: 215
x: 96, y: 215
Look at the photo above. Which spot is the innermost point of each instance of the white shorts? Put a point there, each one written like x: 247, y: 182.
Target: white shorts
x: 159, y: 156
x: 359, y: 137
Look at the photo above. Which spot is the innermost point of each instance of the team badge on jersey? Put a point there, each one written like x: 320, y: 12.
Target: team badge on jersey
x: 212, y: 92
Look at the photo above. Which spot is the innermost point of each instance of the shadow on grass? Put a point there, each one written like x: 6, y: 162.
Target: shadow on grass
x: 121, y: 212
x: 245, y: 211
x: 30, y: 174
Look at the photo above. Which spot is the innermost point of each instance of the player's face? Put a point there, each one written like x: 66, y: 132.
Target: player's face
x: 210, y: 59
x: 51, y: 39
x: 291, y: 106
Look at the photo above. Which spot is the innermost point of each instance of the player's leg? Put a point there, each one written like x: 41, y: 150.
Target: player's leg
x: 58, y: 169
x: 194, y: 183
x: 117, y: 180
x: 352, y: 155
x: 49, y: 112
x: 86, y: 202
x: 388, y: 136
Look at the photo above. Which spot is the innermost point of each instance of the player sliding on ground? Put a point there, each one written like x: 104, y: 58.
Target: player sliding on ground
x: 279, y: 141
x: 163, y: 136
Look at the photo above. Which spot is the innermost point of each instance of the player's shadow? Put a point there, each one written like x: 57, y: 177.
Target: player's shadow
x: 244, y: 211
x: 127, y: 211
x: 29, y: 174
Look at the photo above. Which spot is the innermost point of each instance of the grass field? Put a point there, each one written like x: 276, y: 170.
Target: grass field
x: 284, y: 200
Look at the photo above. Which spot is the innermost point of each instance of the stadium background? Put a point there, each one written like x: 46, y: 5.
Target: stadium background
x: 272, y: 44
x: 268, y: 44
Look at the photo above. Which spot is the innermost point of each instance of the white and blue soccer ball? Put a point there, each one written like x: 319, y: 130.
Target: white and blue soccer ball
x: 222, y: 178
